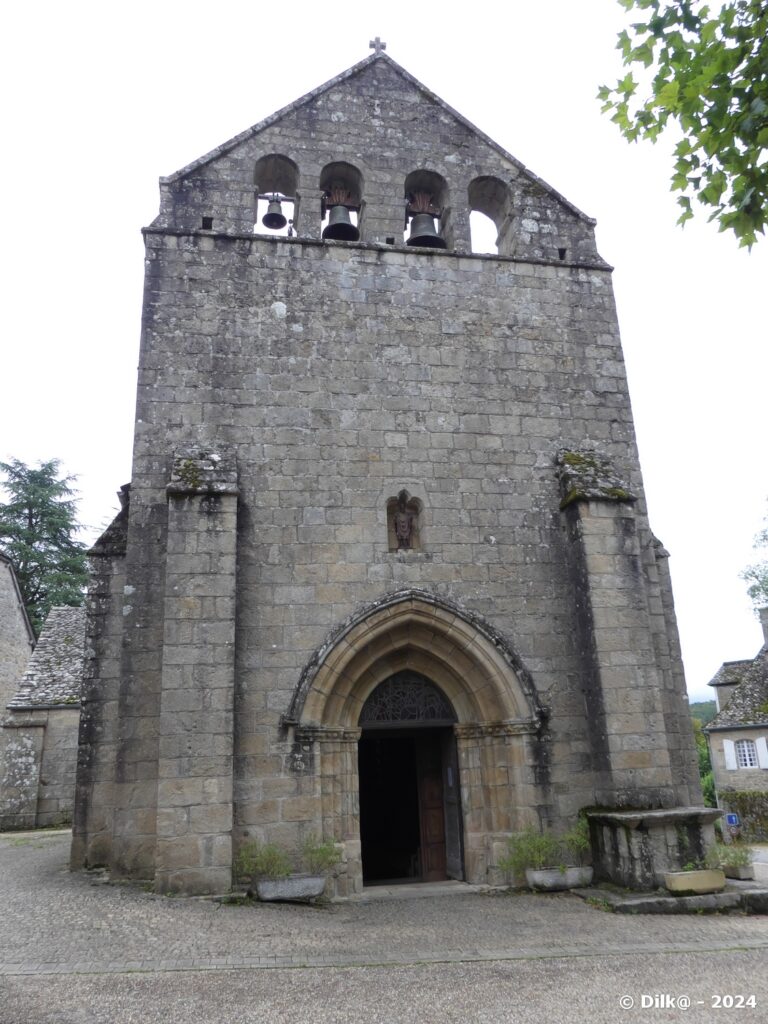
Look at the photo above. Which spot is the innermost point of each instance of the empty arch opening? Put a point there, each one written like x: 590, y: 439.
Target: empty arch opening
x: 483, y: 233
x: 490, y: 217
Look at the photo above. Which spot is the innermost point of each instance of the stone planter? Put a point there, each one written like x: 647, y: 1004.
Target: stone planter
x: 294, y: 889
x: 554, y: 879
x: 694, y: 883
x: 742, y: 871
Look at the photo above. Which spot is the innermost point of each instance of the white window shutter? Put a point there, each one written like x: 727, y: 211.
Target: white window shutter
x: 729, y: 749
x: 762, y: 752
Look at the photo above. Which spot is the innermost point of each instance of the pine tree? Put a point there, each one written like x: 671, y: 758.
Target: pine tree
x: 37, y: 532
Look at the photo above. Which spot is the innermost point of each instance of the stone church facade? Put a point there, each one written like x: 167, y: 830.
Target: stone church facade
x: 384, y: 572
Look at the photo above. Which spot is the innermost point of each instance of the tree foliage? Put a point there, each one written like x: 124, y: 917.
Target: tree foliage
x: 37, y: 532
x: 705, y: 764
x: 757, y: 575
x: 709, y: 75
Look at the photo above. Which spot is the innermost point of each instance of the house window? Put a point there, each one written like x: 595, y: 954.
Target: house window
x: 746, y: 754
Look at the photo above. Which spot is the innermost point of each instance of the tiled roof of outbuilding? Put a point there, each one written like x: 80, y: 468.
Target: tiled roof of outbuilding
x: 730, y: 672
x: 55, y: 670
x: 748, y: 703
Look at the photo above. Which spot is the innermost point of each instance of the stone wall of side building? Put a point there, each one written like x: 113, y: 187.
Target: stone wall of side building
x: 40, y: 728
x: 17, y: 639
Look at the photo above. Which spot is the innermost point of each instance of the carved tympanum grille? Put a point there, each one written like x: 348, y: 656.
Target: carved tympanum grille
x: 407, y: 697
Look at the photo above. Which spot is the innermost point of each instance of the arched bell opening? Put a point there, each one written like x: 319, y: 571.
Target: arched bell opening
x: 425, y: 210
x: 341, y: 203
x: 490, y: 208
x: 410, y: 797
x: 276, y: 202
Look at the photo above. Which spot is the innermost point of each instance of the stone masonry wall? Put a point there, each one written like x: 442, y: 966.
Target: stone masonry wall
x: 37, y: 773
x: 98, y: 738
x: 15, y: 641
x: 334, y: 375
x: 57, y: 770
x: 380, y: 122
x: 340, y: 374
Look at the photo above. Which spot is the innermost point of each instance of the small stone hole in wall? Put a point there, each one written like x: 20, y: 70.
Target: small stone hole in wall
x: 562, y: 253
x: 207, y: 223
x: 390, y: 240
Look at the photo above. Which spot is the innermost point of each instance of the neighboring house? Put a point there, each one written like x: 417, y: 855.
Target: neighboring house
x: 738, y: 739
x: 17, y: 638
x: 39, y: 730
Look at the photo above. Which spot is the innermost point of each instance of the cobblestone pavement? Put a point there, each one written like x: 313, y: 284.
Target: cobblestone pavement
x: 76, y: 951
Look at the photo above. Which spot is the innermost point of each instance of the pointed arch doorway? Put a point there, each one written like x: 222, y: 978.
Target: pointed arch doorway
x: 495, y: 719
x: 410, y: 803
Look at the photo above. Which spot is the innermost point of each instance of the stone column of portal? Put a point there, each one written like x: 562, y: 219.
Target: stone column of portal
x: 194, y: 799
x: 340, y: 800
x: 622, y: 683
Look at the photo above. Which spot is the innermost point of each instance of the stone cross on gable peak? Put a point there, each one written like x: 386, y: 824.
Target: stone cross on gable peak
x: 376, y: 45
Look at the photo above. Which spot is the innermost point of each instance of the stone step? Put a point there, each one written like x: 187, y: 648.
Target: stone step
x: 737, y: 897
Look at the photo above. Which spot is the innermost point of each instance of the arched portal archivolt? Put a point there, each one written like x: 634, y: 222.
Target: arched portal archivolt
x: 498, y: 720
x: 477, y: 670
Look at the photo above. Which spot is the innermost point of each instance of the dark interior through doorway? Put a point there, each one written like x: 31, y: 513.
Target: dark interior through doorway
x: 409, y: 805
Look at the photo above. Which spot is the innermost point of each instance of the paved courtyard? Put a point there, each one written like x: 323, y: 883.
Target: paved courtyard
x: 74, y: 950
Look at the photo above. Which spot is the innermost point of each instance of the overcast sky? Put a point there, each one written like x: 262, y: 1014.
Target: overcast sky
x: 101, y: 99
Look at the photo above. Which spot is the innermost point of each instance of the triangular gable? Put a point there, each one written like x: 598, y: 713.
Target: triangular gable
x: 345, y: 76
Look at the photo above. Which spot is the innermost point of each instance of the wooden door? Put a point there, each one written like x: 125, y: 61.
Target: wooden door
x: 431, y: 807
x: 454, y: 851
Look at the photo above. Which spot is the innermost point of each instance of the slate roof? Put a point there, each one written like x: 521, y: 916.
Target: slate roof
x: 730, y: 673
x: 748, y: 703
x: 55, y: 671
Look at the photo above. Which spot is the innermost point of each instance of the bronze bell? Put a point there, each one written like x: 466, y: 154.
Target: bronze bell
x: 423, y: 232
x: 340, y: 225
x: 274, y: 218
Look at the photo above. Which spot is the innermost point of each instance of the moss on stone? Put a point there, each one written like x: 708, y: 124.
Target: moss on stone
x: 189, y: 474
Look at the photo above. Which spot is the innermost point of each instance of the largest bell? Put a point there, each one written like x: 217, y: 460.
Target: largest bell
x: 274, y: 218
x: 423, y: 232
x: 340, y: 225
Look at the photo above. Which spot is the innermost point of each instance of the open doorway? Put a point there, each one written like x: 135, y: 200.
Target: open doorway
x: 409, y: 806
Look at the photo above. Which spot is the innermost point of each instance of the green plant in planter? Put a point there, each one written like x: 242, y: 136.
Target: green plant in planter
x: 320, y: 857
x: 537, y: 851
x: 531, y: 849
x: 730, y: 855
x: 576, y: 842
x: 262, y: 860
